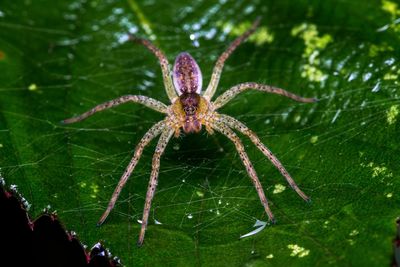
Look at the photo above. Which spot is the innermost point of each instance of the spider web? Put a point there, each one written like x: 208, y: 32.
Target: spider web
x: 341, y: 150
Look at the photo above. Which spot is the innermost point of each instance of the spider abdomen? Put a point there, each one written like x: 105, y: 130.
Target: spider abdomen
x: 186, y: 74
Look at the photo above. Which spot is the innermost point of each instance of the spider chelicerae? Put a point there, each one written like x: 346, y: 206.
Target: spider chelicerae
x: 190, y: 109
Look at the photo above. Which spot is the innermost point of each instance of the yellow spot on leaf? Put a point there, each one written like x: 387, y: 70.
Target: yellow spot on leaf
x: 298, y: 251
x: 261, y: 36
x: 279, y: 189
x: 200, y: 193
x: 381, y: 171
x: 391, y: 8
x: 314, y: 44
x: 95, y: 190
x: 314, y: 139
x: 297, y: 118
x: 313, y: 73
x: 392, y: 113
x: 32, y: 87
x: 270, y: 256
x: 390, y: 76
x: 354, y: 232
x: 378, y: 170
x: 309, y: 33
x: 374, y: 50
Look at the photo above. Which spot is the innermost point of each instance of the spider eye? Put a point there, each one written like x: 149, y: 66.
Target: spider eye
x: 187, y: 75
x: 190, y: 110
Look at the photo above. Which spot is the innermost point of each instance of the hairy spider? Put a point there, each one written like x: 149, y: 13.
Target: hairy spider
x: 189, y: 110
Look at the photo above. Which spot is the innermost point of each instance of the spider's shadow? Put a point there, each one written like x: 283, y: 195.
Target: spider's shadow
x: 195, y: 149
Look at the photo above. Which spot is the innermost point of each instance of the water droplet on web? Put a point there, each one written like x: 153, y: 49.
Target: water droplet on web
x: 367, y: 76
x: 32, y: 87
x: 377, y: 87
x: 200, y: 193
x: 279, y: 188
x: 176, y: 146
x: 314, y: 139
x: 354, y: 232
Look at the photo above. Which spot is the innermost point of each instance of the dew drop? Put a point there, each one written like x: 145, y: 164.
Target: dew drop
x: 176, y: 146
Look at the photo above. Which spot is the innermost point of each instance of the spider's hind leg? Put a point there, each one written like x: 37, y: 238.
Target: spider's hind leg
x: 239, y: 126
x: 152, y: 133
x: 162, y: 143
x: 225, y: 130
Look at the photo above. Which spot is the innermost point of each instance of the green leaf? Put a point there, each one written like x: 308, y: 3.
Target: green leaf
x: 60, y: 58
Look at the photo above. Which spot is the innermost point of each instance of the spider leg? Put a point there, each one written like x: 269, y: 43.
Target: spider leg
x: 147, y: 101
x: 149, y: 135
x: 162, y: 143
x: 225, y: 130
x: 235, y: 90
x: 169, y: 87
x: 239, y: 126
x: 219, y: 65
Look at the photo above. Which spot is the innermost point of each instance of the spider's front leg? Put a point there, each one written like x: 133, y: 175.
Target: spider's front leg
x: 237, y: 89
x: 216, y: 74
x: 144, y: 100
x: 162, y: 143
x: 246, y: 161
x: 165, y: 68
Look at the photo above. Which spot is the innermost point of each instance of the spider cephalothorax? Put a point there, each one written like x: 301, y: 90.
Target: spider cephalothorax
x: 189, y: 110
x: 190, y: 104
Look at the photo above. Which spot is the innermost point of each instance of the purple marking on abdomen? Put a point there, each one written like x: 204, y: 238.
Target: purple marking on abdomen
x: 187, y: 75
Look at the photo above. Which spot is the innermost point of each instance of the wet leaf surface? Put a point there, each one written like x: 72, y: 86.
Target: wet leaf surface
x: 58, y: 59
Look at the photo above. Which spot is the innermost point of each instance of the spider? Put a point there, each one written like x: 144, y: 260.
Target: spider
x: 190, y: 109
